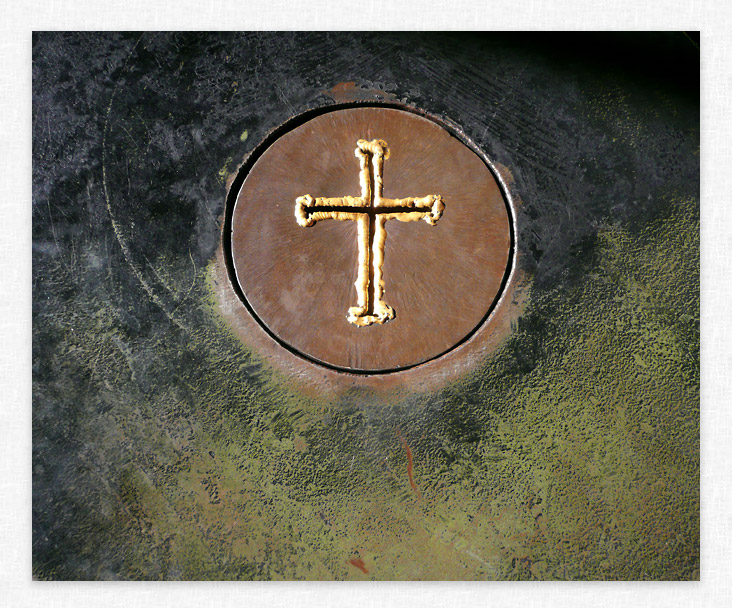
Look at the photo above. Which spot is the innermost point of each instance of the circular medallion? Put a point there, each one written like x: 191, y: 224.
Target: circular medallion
x: 368, y: 239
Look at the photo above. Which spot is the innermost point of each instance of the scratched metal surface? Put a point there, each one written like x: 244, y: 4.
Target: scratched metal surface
x: 164, y: 448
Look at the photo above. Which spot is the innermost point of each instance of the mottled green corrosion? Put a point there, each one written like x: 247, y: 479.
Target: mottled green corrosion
x: 573, y: 453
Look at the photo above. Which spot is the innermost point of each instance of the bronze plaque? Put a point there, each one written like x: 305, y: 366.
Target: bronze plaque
x: 318, y: 263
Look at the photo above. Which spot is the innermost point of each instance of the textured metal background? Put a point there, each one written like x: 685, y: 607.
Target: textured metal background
x: 164, y: 447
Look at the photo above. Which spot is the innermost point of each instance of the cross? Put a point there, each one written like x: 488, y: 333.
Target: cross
x: 370, y: 211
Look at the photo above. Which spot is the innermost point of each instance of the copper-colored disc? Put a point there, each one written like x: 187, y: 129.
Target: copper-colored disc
x: 441, y: 280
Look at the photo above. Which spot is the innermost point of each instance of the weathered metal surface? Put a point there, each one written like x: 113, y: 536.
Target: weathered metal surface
x: 442, y: 280
x: 174, y: 439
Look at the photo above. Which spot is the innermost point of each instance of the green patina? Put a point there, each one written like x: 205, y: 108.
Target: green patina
x: 583, y: 463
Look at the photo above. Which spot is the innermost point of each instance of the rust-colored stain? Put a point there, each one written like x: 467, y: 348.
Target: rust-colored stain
x: 358, y: 563
x: 409, y: 464
x: 345, y: 92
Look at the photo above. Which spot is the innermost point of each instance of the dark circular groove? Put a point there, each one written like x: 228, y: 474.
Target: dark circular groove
x: 297, y: 121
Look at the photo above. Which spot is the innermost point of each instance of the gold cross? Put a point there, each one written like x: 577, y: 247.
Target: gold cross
x: 371, y: 212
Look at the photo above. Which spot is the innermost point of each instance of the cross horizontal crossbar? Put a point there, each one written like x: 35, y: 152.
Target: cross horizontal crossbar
x: 369, y: 210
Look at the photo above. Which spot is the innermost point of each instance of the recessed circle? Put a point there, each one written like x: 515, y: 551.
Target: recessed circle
x: 369, y: 239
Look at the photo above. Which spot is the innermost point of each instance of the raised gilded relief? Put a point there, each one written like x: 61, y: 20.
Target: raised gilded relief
x: 371, y: 212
